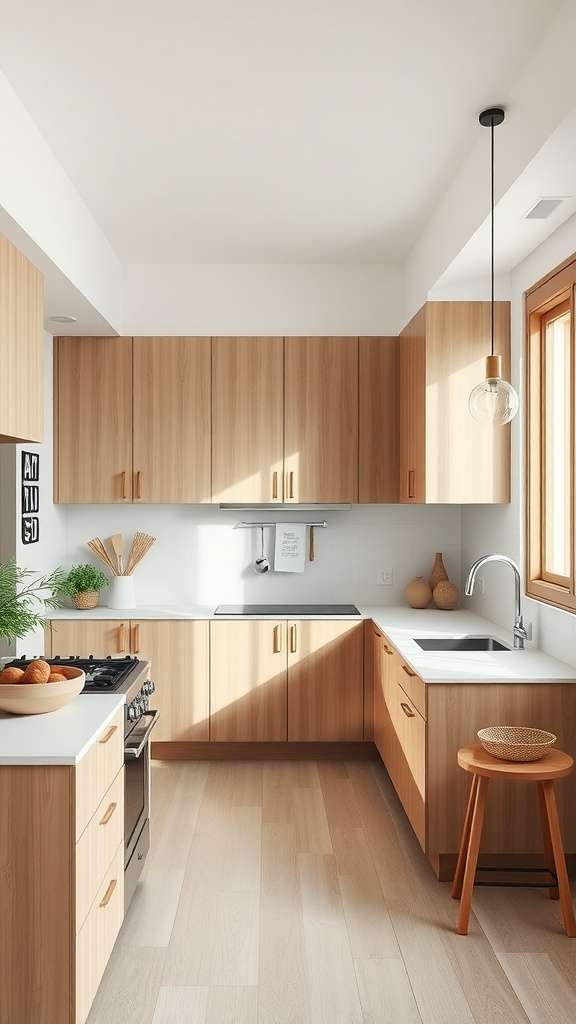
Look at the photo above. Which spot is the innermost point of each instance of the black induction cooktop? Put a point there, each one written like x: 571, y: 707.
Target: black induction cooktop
x: 287, y: 610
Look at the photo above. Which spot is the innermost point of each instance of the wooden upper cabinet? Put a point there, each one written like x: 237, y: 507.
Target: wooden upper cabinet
x: 21, y: 347
x: 171, y: 420
x: 445, y: 454
x: 321, y: 419
x: 247, y: 419
x: 131, y: 420
x: 92, y: 420
x: 378, y: 421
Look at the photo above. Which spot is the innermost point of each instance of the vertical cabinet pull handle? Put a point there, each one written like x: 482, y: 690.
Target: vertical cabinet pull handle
x: 275, y: 485
x: 291, y: 484
x: 138, y: 484
x: 293, y: 640
x: 108, y: 734
x: 277, y: 639
x: 136, y: 643
x: 108, y: 894
x: 124, y: 484
x: 411, y: 483
x: 408, y: 671
x: 121, y: 638
x: 109, y: 812
x: 407, y: 710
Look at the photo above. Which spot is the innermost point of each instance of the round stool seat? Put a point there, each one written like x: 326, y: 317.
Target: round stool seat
x: 554, y: 764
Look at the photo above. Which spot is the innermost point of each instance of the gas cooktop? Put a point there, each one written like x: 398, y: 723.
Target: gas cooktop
x: 103, y: 675
x: 285, y: 610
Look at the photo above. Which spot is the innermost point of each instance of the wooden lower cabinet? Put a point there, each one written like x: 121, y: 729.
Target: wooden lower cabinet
x: 178, y: 651
x: 61, y: 881
x: 300, y: 681
x: 418, y: 730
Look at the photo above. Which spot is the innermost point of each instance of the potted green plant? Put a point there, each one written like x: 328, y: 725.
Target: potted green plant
x: 82, y: 585
x: 23, y: 599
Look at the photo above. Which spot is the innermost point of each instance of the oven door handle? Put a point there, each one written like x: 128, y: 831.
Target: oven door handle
x: 134, y: 752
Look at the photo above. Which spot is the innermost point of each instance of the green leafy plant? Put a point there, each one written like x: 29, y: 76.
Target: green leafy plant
x: 23, y: 598
x: 81, y: 578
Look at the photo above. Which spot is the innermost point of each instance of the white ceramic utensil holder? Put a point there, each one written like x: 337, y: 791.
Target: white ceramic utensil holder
x: 121, y: 593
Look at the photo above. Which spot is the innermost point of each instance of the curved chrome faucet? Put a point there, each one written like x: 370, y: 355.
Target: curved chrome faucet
x: 519, y: 632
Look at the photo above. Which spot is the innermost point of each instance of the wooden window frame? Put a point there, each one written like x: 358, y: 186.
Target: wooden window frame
x: 546, y: 295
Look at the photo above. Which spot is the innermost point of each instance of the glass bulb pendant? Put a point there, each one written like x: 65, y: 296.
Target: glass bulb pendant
x: 494, y: 401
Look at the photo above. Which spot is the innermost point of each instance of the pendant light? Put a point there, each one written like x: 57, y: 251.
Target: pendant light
x: 494, y: 401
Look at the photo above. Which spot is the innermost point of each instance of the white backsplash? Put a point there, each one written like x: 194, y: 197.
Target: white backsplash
x: 200, y: 558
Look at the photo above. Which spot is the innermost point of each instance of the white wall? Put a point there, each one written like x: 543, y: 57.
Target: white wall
x: 485, y: 529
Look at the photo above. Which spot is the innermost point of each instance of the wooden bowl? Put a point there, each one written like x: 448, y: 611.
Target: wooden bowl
x: 38, y: 698
x: 516, y: 742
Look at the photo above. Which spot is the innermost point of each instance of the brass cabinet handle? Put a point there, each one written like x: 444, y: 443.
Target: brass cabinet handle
x: 387, y: 649
x: 277, y: 639
x: 293, y: 640
x: 108, y: 894
x: 407, y: 710
x: 108, y: 734
x: 124, y: 484
x: 275, y: 485
x: 291, y: 484
x: 408, y: 671
x: 136, y: 642
x: 121, y: 638
x: 376, y: 633
x: 138, y: 484
x: 109, y: 812
x: 411, y: 483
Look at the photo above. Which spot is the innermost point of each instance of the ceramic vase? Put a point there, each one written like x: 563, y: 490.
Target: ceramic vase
x: 438, y: 571
x: 418, y: 593
x: 446, y: 595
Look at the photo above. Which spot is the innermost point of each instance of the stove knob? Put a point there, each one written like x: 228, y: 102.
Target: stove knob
x: 150, y: 687
x: 132, y: 712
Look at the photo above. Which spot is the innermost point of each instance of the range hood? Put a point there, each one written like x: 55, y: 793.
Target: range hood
x: 274, y: 506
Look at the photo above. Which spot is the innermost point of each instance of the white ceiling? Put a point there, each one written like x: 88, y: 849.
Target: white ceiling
x: 265, y: 130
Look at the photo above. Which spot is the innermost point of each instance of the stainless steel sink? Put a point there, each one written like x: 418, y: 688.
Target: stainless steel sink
x: 461, y: 643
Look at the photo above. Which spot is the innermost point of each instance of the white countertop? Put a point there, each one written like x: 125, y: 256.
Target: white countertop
x: 401, y: 624
x: 57, y: 737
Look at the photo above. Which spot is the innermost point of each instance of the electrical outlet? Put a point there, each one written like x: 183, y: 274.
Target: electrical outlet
x: 481, y: 585
x: 385, y: 577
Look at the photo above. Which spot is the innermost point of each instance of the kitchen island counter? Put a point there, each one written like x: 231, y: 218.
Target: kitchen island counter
x: 57, y: 737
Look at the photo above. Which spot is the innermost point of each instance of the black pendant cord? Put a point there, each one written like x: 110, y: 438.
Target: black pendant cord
x: 492, y: 234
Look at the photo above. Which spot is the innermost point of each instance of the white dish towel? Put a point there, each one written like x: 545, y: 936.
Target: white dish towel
x: 290, y: 548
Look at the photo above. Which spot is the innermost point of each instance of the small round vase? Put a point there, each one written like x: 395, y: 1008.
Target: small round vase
x: 438, y: 571
x: 418, y: 593
x: 446, y: 595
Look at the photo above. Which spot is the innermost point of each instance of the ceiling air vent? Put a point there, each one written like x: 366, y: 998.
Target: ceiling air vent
x: 543, y: 207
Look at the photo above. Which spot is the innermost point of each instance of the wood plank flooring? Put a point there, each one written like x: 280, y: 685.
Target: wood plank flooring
x: 296, y: 893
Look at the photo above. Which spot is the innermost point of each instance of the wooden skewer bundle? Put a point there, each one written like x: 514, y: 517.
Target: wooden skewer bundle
x: 140, y: 546
x: 97, y: 546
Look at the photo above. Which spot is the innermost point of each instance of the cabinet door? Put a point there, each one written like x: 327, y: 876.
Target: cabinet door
x: 171, y: 453
x: 247, y: 680
x: 412, y: 364
x: 405, y: 754
x: 321, y: 419
x: 325, y: 680
x: 178, y: 652
x: 378, y: 420
x: 92, y: 420
x: 84, y: 637
x: 21, y: 346
x: 247, y: 419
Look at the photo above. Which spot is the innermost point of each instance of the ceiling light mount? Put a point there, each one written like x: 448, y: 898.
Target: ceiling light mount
x: 494, y: 401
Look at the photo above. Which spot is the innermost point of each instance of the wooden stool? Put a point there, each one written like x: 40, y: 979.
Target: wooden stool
x: 553, y: 765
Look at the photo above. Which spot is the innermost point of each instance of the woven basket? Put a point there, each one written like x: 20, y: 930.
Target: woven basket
x: 516, y: 742
x: 85, y: 599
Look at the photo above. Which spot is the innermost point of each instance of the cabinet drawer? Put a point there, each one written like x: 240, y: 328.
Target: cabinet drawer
x: 98, y: 769
x: 98, y: 934
x: 414, y: 686
x: 406, y: 757
x: 97, y: 845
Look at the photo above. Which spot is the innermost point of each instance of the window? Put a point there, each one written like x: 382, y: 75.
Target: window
x: 551, y: 501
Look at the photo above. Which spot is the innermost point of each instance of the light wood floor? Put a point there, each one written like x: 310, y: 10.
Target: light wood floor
x: 296, y: 893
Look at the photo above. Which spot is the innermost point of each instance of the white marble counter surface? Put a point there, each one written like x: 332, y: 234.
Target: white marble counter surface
x: 57, y: 737
x: 401, y: 624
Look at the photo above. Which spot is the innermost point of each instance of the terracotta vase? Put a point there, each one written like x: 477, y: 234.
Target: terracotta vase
x: 446, y: 595
x: 438, y: 571
x: 418, y: 593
